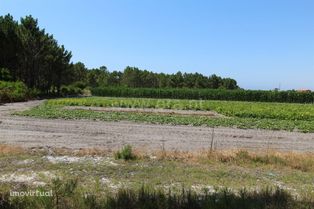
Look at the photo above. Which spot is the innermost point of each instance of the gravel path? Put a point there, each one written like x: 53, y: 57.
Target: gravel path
x: 33, y: 132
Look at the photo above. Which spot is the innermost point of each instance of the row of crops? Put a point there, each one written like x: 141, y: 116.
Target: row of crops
x: 208, y: 94
x: 262, y: 110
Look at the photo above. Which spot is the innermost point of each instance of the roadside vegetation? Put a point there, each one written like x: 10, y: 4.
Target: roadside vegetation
x: 145, y: 198
x: 93, y: 178
x: 14, y: 92
x: 273, y: 116
x: 126, y: 153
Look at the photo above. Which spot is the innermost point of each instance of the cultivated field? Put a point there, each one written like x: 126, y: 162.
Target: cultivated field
x: 274, y: 116
x: 176, y: 129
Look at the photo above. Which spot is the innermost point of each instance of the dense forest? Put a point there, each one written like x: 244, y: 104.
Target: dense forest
x: 31, y: 55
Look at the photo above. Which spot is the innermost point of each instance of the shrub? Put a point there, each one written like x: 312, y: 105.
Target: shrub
x: 13, y: 92
x: 79, y: 84
x: 126, y: 153
x: 71, y: 91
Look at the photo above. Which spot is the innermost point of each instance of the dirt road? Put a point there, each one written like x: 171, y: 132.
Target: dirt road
x: 32, y: 132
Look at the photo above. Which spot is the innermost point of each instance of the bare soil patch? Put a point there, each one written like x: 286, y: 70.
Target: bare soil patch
x: 147, y: 110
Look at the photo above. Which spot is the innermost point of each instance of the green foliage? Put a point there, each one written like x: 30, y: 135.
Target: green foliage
x: 57, y: 111
x: 208, y: 94
x: 259, y: 110
x: 14, y: 92
x: 64, y: 192
x: 126, y: 153
x: 145, y: 198
x: 31, y: 55
x: 5, y: 75
x: 79, y: 84
x: 71, y: 90
x: 135, y: 78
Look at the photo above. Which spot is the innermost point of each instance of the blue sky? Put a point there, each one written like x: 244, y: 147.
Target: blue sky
x: 260, y: 43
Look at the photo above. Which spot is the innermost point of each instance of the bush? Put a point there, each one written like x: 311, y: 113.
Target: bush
x: 208, y: 94
x: 79, y: 84
x: 126, y: 153
x: 13, y: 92
x: 74, y: 89
x: 71, y: 91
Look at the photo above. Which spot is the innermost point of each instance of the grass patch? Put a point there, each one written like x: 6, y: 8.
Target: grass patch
x: 175, y: 170
x: 126, y: 153
x: 66, y: 195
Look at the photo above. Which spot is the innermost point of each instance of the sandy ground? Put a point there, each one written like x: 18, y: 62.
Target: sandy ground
x: 146, y: 110
x: 32, y: 132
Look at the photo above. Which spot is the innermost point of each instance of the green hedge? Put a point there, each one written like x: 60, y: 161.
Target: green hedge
x: 13, y: 92
x: 208, y: 94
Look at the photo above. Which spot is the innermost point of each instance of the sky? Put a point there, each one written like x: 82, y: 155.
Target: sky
x: 263, y: 44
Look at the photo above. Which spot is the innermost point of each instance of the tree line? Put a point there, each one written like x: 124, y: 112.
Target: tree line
x: 134, y: 77
x: 290, y: 96
x: 31, y: 55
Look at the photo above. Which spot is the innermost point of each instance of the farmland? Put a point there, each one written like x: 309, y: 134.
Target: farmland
x: 273, y: 116
x: 162, y: 105
x: 228, y: 108
x: 70, y: 146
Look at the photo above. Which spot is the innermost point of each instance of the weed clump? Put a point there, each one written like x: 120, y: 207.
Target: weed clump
x: 126, y: 153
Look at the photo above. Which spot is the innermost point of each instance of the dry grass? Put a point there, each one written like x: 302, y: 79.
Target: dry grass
x: 82, y: 151
x: 298, y: 161
x: 147, y: 110
x: 294, y: 160
x: 68, y: 151
x: 11, y: 149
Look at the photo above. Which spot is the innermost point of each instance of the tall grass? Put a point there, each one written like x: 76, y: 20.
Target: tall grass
x: 126, y: 153
x: 66, y: 195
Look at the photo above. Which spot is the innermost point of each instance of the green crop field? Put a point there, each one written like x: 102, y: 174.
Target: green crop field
x: 229, y: 108
x: 274, y: 116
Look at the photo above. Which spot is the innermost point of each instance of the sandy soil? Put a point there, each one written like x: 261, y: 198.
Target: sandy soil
x: 146, y: 110
x: 32, y: 132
